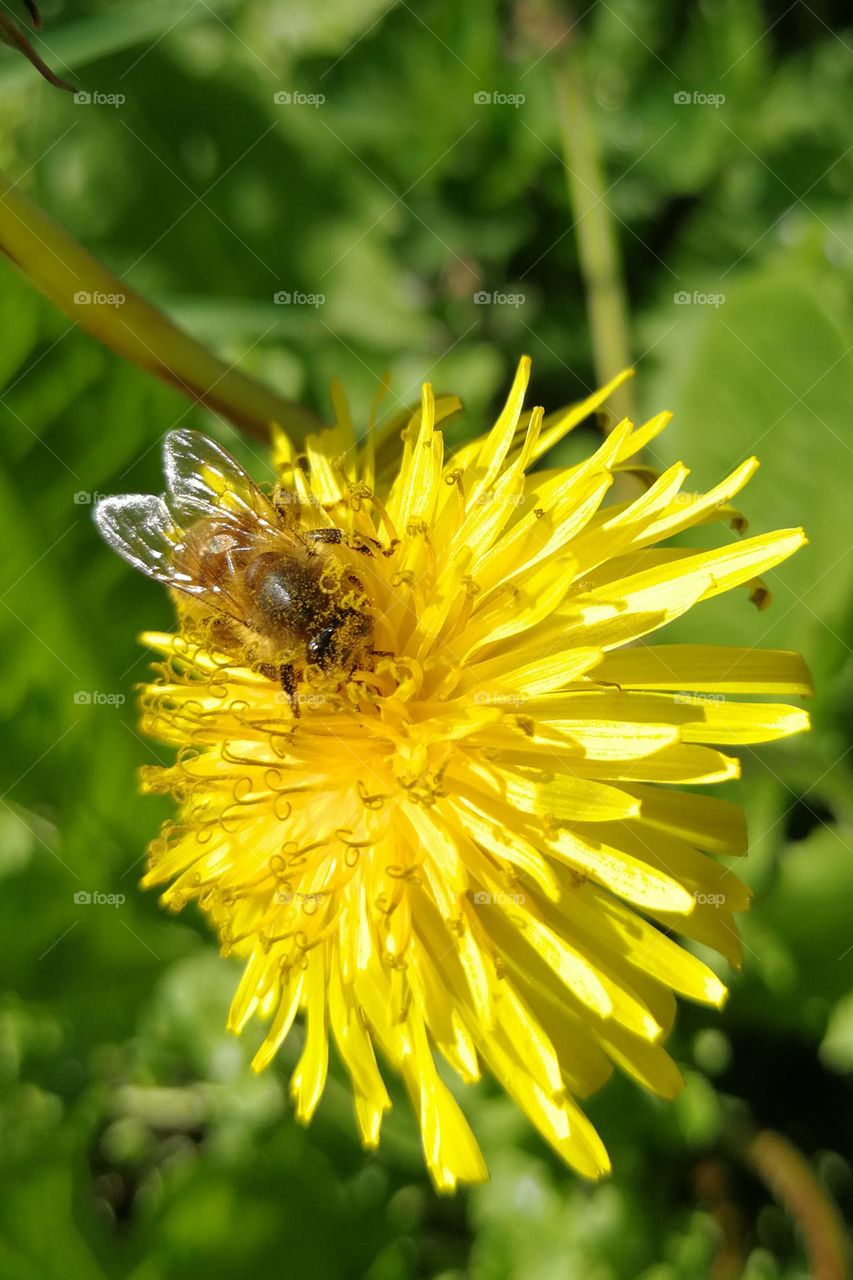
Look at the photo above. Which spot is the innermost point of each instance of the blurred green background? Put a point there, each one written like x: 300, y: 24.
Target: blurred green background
x: 135, y: 1140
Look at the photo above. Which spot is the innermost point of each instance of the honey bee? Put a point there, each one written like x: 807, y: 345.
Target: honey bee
x: 244, y: 568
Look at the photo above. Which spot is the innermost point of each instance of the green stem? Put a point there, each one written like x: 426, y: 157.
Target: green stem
x: 74, y: 281
x: 598, y: 247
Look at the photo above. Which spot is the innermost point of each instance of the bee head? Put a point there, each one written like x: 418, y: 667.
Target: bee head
x: 336, y: 640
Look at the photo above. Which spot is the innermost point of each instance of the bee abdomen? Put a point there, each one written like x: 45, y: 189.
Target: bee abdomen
x: 286, y: 592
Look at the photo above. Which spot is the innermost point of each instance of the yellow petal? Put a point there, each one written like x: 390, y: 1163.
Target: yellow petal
x: 706, y: 668
x: 309, y: 1078
x: 623, y: 874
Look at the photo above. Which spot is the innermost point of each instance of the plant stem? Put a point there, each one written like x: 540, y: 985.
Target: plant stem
x: 789, y: 1176
x: 598, y: 247
x: 73, y: 280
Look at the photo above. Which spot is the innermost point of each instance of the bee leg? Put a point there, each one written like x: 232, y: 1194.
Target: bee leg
x: 361, y: 542
x: 358, y: 542
x: 287, y: 676
x: 369, y: 546
x: 324, y: 535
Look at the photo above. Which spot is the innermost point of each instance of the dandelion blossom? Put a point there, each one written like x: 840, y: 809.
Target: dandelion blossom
x: 447, y: 816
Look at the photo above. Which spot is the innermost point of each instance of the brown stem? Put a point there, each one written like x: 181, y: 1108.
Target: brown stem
x: 790, y: 1177
x: 712, y: 1181
x: 11, y: 35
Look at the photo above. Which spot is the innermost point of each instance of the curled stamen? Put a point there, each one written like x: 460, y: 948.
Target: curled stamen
x: 345, y: 836
x: 231, y: 820
x: 239, y: 708
x: 277, y: 865
x: 242, y: 788
x: 372, y: 802
x: 282, y: 808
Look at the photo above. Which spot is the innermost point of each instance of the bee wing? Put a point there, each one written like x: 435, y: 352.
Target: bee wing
x: 205, y: 481
x: 140, y: 528
x: 154, y: 533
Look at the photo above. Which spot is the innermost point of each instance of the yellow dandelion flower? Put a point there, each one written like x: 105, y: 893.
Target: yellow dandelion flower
x: 430, y: 786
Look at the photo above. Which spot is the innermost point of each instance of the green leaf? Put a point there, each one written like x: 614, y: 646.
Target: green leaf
x: 770, y: 372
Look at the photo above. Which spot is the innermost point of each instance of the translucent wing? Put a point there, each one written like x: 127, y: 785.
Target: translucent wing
x: 206, y: 488
x: 140, y: 528
x: 204, y: 481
